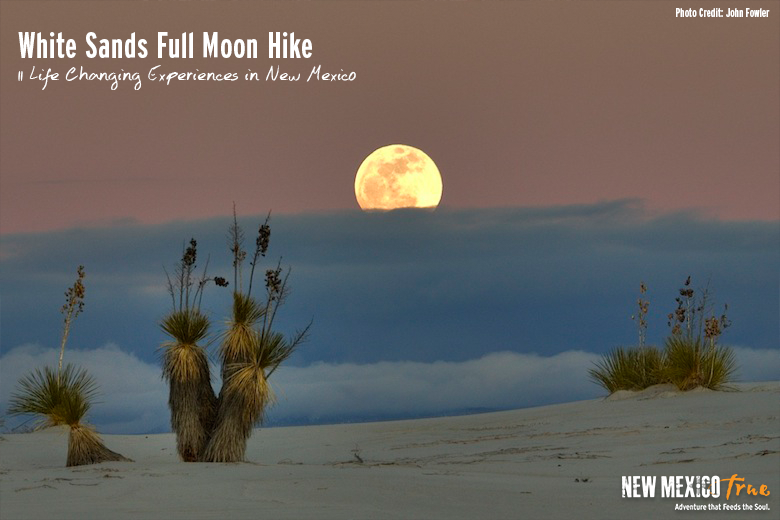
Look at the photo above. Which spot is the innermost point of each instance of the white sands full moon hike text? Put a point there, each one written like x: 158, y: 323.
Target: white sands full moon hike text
x: 211, y: 45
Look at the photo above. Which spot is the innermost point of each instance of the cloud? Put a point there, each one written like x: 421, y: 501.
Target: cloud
x: 413, y: 286
x: 330, y: 392
x: 133, y: 397
x: 500, y: 380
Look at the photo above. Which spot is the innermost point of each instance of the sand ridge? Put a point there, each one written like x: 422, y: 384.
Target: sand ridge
x: 559, y: 461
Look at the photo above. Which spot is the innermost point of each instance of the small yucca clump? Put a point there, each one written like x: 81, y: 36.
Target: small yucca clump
x: 691, y: 363
x: 629, y: 369
x: 64, y: 398
x: 693, y: 356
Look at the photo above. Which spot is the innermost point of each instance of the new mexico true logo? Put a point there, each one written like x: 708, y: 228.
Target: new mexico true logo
x: 696, y: 486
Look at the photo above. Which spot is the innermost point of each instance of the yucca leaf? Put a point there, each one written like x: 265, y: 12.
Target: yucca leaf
x: 241, y: 338
x: 187, y: 326
x: 63, y: 398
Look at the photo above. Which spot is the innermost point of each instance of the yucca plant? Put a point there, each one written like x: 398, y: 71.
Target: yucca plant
x: 191, y: 398
x: 234, y: 420
x: 691, y: 362
x: 246, y: 393
x: 210, y: 428
x: 693, y: 356
x: 250, y: 352
x: 63, y: 397
x: 629, y: 369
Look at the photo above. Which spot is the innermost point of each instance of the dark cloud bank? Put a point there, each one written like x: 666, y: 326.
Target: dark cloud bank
x: 417, y: 313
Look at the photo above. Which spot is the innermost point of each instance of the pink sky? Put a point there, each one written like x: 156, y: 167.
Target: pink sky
x: 519, y: 104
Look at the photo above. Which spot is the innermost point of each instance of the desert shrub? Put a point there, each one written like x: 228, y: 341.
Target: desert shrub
x: 691, y: 362
x: 629, y: 369
x: 64, y: 396
x: 691, y: 357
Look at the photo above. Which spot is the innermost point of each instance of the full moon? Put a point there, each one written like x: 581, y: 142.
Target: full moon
x: 397, y: 176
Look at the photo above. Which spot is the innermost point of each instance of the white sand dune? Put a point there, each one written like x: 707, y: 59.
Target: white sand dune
x: 561, y: 461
